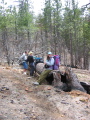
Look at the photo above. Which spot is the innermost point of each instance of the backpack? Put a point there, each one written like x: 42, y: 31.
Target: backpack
x: 38, y: 60
x: 56, y: 62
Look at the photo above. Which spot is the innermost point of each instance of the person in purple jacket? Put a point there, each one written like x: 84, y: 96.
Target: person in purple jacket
x: 48, y: 68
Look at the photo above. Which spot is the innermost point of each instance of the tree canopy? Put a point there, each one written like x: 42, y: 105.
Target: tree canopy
x: 62, y: 30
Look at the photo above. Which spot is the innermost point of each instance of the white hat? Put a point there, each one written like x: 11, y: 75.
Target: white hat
x: 49, y: 53
x: 30, y: 52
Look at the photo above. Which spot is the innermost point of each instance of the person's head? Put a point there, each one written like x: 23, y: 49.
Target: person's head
x: 49, y: 54
x: 26, y: 52
x: 30, y: 53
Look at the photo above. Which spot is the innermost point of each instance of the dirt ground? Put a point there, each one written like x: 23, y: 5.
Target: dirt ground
x: 21, y: 100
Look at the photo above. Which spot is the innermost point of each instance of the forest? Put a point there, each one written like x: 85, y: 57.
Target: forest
x: 62, y: 30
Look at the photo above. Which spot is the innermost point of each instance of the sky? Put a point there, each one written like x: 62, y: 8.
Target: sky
x: 38, y: 4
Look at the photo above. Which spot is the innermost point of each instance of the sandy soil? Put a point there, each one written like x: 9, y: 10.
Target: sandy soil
x: 21, y: 100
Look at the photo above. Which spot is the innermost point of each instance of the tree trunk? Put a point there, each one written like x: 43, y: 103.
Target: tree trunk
x: 67, y: 81
x: 72, y: 80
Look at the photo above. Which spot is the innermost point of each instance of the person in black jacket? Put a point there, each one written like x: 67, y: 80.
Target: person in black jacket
x: 30, y: 60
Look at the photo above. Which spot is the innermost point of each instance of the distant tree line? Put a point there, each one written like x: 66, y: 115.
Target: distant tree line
x: 62, y: 30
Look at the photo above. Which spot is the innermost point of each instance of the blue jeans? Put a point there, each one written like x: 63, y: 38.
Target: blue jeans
x: 25, y: 65
x: 32, y: 69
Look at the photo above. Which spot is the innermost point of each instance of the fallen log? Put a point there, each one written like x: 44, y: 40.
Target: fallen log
x: 66, y: 81
x: 72, y: 80
x: 86, y: 86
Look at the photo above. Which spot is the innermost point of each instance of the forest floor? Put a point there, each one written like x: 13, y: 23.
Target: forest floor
x: 21, y: 100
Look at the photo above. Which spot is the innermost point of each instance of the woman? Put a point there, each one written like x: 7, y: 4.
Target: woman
x: 48, y: 68
x: 30, y: 59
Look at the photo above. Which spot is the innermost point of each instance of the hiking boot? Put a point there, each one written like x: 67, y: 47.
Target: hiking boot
x: 24, y: 73
x: 35, y: 83
x: 29, y: 77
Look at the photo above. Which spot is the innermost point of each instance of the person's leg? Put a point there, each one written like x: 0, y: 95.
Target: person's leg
x: 25, y: 67
x: 32, y: 68
x: 43, y: 76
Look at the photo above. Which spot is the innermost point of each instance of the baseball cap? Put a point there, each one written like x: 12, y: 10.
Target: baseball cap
x: 49, y: 53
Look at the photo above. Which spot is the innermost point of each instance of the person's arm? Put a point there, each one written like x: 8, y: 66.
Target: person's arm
x: 27, y: 60
x: 50, y: 62
x: 21, y: 57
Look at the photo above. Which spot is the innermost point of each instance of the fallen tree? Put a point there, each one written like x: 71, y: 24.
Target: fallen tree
x: 66, y: 81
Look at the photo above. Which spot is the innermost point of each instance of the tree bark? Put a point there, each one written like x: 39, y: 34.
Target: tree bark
x: 72, y: 80
x: 66, y: 81
x: 40, y: 68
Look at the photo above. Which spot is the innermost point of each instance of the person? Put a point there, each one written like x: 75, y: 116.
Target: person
x: 23, y: 58
x: 30, y: 60
x: 48, y: 68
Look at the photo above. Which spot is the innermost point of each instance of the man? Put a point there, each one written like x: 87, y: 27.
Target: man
x: 23, y: 58
x: 49, y: 67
